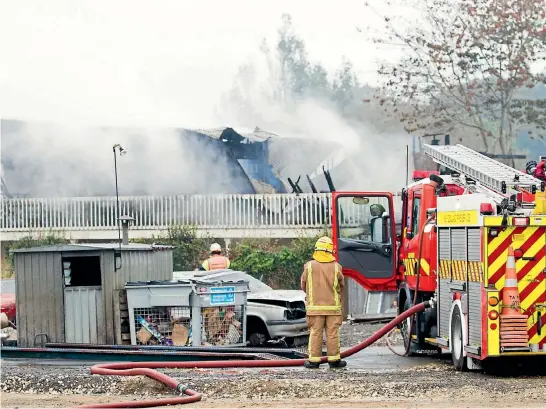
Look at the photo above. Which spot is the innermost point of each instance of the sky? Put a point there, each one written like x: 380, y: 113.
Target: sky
x: 114, y: 62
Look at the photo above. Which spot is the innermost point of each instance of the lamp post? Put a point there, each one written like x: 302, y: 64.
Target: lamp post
x: 117, y: 148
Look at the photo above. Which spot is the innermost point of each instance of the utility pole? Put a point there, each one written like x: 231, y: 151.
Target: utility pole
x: 117, y: 148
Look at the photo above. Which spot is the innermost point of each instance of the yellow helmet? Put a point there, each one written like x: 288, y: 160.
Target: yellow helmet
x: 324, y: 244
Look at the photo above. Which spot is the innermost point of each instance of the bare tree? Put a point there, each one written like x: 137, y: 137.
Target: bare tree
x: 471, y: 64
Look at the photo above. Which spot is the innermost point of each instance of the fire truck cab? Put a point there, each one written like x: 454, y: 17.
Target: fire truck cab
x: 453, y: 246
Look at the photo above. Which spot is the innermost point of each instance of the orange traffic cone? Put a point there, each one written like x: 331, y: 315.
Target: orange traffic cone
x: 513, y: 324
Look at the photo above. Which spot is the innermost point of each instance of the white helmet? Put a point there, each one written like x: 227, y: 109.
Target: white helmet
x: 215, y: 248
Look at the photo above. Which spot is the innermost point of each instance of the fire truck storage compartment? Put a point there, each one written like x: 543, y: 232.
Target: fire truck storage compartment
x: 188, y: 312
x: 460, y: 270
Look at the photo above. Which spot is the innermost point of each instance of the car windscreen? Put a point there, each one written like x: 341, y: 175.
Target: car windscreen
x: 254, y: 284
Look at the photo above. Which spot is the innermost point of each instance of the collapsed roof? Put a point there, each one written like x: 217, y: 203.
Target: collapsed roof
x: 48, y: 160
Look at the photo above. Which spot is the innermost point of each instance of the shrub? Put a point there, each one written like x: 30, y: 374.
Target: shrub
x: 278, y: 265
x: 48, y: 239
x: 189, y: 249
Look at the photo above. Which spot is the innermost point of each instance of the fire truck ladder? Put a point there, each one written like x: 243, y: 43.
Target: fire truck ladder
x: 488, y: 172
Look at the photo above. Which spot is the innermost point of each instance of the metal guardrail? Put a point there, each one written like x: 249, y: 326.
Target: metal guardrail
x: 305, y: 210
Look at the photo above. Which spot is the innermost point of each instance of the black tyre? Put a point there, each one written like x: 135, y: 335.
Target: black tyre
x: 257, y: 334
x: 456, y: 341
x: 257, y: 340
x: 405, y: 329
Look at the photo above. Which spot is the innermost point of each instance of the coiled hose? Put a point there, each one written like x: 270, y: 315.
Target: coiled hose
x: 148, y: 368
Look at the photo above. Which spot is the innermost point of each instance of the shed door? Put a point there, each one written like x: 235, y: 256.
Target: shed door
x: 84, y: 315
x: 84, y: 320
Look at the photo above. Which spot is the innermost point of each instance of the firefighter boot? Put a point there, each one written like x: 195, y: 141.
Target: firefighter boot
x: 311, y: 365
x: 337, y: 364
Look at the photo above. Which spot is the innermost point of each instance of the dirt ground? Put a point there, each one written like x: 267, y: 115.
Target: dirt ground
x: 25, y: 401
x: 433, y: 384
x: 376, y: 379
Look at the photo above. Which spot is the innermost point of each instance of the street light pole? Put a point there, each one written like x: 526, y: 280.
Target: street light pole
x: 121, y: 153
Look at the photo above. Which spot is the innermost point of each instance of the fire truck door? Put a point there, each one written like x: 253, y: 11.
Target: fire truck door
x: 365, y: 238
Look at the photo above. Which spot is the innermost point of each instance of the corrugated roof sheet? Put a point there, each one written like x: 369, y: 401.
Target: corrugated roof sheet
x: 293, y: 157
x: 213, y: 133
x: 262, y: 187
x: 92, y: 247
x: 257, y: 135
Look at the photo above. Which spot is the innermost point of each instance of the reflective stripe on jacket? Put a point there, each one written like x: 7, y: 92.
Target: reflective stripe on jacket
x: 216, y: 263
x: 324, y: 286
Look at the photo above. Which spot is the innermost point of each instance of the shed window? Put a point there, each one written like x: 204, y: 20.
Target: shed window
x: 82, y: 271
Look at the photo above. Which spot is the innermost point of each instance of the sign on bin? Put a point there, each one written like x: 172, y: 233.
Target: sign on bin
x: 225, y: 295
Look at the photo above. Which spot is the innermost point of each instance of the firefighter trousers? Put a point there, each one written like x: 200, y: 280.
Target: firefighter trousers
x: 318, y: 324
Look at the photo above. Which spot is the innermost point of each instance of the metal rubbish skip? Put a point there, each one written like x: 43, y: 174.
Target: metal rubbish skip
x: 187, y: 313
x: 159, y: 312
x: 219, y: 312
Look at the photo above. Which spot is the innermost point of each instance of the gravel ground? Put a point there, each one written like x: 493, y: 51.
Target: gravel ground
x: 351, y: 334
x: 438, y: 384
x: 424, y: 384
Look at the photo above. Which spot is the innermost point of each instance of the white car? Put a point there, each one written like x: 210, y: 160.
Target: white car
x: 272, y: 315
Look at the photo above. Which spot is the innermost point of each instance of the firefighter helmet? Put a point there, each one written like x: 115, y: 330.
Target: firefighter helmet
x: 324, y: 244
x: 377, y: 210
x: 530, y: 167
x: 215, y: 248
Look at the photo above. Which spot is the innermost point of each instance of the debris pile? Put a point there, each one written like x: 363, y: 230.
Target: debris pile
x: 173, y: 326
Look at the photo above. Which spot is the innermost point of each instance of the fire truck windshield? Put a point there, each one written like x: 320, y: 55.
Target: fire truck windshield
x: 364, y: 219
x: 363, y: 235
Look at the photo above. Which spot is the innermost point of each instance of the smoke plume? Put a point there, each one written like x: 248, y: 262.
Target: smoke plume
x: 83, y: 78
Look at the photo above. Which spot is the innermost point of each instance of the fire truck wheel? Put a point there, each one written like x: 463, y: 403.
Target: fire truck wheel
x: 459, y: 361
x: 404, y: 331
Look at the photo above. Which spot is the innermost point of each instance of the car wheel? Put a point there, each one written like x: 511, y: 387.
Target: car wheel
x: 257, y: 334
x: 256, y: 340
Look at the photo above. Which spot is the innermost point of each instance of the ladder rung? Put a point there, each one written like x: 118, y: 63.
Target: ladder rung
x: 487, y: 171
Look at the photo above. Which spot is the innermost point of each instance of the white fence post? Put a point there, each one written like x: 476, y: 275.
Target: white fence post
x: 239, y: 211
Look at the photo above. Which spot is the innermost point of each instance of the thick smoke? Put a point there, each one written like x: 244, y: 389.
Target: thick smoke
x: 44, y: 160
x: 376, y: 159
x: 81, y: 76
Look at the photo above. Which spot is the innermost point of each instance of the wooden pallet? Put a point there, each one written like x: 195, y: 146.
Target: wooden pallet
x: 121, y: 318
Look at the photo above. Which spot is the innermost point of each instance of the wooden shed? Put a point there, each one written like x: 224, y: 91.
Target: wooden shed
x: 66, y: 293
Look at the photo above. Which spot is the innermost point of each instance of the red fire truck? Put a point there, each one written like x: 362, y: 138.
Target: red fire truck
x: 458, y: 229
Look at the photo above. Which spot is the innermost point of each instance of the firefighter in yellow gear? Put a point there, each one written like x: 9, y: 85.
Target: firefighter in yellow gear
x: 216, y: 261
x: 324, y: 285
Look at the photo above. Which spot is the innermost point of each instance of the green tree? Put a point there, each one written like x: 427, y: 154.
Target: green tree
x: 344, y: 86
x: 189, y: 249
x: 276, y: 264
x: 465, y: 67
x: 48, y: 239
x: 291, y: 77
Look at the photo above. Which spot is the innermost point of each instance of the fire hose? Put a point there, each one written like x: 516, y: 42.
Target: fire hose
x: 417, y: 268
x: 149, y: 368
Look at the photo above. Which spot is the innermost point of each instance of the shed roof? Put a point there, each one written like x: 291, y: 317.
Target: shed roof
x: 92, y: 247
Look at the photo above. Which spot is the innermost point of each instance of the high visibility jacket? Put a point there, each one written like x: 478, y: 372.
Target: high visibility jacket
x: 324, y: 286
x: 216, y: 262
